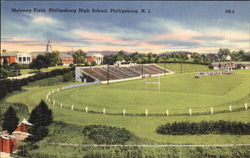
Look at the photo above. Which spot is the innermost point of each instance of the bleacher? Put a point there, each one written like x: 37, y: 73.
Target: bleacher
x: 122, y: 72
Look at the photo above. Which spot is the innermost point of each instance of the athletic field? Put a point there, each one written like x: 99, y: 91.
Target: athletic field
x: 178, y: 93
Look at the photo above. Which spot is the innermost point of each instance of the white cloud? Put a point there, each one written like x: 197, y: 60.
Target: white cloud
x: 41, y: 19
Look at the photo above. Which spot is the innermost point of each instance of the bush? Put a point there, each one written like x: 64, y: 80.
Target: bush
x: 9, y: 71
x: 218, y: 127
x: 47, y: 81
x: 70, y: 76
x: 107, y: 135
x: 23, y: 66
x: 210, y: 66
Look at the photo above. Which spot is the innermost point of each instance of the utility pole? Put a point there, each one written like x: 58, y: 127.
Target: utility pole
x: 108, y: 74
x: 181, y: 66
x: 142, y: 70
x: 165, y: 64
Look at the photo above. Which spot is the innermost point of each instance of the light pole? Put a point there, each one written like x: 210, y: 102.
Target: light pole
x: 142, y: 70
x: 108, y: 74
x: 165, y: 60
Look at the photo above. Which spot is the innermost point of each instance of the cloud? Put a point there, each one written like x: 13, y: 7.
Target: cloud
x: 20, y: 39
x: 42, y: 19
x: 101, y: 38
x: 208, y: 38
x: 151, y: 35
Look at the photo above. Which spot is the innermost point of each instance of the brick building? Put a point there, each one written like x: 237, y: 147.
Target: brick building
x: 66, y: 59
x: 8, y: 143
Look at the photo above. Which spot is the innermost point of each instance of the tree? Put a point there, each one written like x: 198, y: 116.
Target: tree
x: 120, y: 56
x: 223, y: 52
x: 4, y: 73
x: 53, y: 58
x: 150, y: 57
x: 109, y: 59
x: 157, y: 59
x: 87, y: 63
x: 5, y: 62
x: 10, y: 120
x: 79, y: 57
x: 40, y: 62
x: 40, y: 117
x: 93, y: 63
x: 165, y: 57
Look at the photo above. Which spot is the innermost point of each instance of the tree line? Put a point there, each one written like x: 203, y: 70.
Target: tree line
x: 7, y: 85
x: 181, y: 56
x: 204, y: 127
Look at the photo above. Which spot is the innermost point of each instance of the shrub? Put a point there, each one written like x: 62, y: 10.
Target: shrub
x: 70, y: 76
x: 107, y: 135
x: 23, y: 66
x: 47, y: 81
x: 218, y: 127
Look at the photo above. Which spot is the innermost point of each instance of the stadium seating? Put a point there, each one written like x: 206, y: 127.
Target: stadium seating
x: 123, y: 72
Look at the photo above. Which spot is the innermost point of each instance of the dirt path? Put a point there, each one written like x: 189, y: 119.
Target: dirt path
x: 22, y: 76
x: 4, y: 155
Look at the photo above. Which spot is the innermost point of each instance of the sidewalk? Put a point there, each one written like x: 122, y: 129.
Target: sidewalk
x: 22, y: 76
x: 5, y: 155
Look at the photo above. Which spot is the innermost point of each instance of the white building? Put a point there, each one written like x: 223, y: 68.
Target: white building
x: 97, y: 57
x: 23, y: 58
x: 228, y: 58
x: 48, y: 47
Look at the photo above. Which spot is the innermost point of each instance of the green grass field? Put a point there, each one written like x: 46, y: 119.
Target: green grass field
x: 178, y: 93
x: 176, y: 67
x: 31, y: 71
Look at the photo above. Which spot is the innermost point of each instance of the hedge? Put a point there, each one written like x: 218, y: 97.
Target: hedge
x: 203, y: 127
x: 107, y: 135
x: 7, y: 85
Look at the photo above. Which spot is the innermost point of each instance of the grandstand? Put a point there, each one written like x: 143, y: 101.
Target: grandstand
x: 113, y: 73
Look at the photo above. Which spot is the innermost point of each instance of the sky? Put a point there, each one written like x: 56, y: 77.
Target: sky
x: 202, y: 27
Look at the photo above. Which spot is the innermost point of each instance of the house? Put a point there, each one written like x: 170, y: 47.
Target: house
x: 22, y: 130
x: 228, y: 58
x: 97, y: 57
x: 189, y: 55
x: 231, y: 65
x: 16, y: 57
x: 66, y: 59
x: 8, y: 143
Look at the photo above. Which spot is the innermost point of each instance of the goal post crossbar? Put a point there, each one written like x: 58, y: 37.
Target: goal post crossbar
x: 152, y: 83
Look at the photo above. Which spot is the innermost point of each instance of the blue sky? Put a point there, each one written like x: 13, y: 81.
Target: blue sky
x: 193, y: 26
